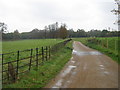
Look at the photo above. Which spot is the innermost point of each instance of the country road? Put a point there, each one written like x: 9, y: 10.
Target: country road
x: 87, y: 68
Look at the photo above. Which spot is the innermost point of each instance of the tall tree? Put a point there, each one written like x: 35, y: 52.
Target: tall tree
x: 63, y: 31
x: 16, y: 35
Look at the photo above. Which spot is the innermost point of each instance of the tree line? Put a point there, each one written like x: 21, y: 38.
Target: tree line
x: 50, y: 31
x: 54, y: 31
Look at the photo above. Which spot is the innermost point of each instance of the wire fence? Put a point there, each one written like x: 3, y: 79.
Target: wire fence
x: 108, y: 43
x: 16, y: 63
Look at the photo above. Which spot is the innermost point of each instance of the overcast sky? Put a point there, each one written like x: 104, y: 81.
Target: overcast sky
x: 26, y: 15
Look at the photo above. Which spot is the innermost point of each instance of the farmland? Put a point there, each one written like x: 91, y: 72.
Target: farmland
x: 13, y: 46
x: 53, y: 66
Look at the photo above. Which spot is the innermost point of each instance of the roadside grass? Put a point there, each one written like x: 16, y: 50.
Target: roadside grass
x: 38, y: 78
x: 110, y: 51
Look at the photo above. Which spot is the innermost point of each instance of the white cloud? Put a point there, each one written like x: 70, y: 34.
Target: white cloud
x: 26, y: 15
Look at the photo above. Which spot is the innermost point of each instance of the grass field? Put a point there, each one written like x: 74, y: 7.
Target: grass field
x: 40, y: 77
x: 107, y: 45
x: 13, y: 46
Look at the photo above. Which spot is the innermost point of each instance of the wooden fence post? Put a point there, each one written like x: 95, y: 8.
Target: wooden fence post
x: 11, y: 72
x: 115, y: 45
x: 46, y: 52
x: 37, y: 57
x: 2, y: 67
x: 17, y: 63
x: 42, y: 54
x: 107, y: 43
x: 30, y: 59
x: 102, y: 43
x: 8, y: 71
x: 49, y: 52
x: 97, y: 42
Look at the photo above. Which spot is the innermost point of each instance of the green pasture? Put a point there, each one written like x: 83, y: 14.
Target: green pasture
x: 13, y: 46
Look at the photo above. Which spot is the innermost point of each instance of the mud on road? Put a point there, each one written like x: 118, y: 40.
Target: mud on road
x: 87, y: 68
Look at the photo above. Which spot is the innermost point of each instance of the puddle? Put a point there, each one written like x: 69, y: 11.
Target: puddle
x: 106, y: 72
x: 54, y: 87
x: 74, y: 51
x: 73, y: 61
x: 73, y: 73
x: 86, y: 53
x: 68, y: 81
x: 101, y: 65
x: 95, y: 53
x: 68, y: 70
x: 58, y: 84
x: 72, y: 66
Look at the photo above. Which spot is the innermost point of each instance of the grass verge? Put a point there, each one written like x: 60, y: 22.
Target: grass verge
x: 38, y: 78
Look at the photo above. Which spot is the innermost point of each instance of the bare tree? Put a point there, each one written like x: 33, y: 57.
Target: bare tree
x: 3, y: 27
x: 117, y: 12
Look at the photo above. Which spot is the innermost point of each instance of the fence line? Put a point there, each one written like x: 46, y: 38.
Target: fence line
x: 11, y: 69
x: 105, y: 43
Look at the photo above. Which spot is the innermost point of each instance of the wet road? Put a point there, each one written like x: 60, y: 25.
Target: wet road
x: 87, y: 68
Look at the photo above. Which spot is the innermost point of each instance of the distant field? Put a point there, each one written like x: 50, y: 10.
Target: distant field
x: 107, y: 45
x: 13, y: 46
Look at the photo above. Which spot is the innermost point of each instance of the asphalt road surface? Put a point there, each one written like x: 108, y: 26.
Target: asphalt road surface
x: 87, y: 68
